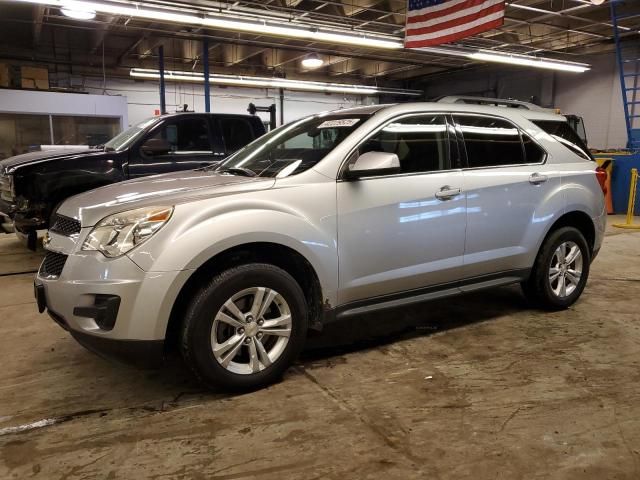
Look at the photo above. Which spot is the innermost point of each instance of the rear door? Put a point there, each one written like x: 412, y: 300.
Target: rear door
x: 235, y: 132
x: 508, y: 186
x: 191, y: 142
x: 403, y: 231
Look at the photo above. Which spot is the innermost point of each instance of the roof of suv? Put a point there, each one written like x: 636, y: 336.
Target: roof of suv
x: 455, y: 107
x: 217, y: 114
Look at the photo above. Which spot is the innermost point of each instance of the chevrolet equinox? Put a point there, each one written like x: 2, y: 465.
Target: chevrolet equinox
x: 328, y: 217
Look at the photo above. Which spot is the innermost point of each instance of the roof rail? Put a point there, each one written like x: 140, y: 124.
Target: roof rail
x: 497, y: 102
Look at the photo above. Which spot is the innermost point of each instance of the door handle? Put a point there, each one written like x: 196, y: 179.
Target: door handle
x: 447, y: 193
x: 537, y: 178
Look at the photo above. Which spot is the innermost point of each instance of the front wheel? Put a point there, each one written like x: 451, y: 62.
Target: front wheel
x: 561, y: 270
x: 244, y: 328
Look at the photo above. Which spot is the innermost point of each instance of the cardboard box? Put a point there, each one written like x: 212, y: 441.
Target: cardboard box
x: 5, y: 79
x: 35, y: 77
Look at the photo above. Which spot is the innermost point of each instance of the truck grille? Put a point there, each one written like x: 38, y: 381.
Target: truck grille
x: 53, y: 264
x: 5, y: 189
x: 64, y: 225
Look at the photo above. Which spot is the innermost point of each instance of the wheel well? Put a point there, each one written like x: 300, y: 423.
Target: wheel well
x: 582, y: 222
x: 283, y: 257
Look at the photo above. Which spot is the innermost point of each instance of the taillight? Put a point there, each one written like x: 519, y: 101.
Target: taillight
x: 601, y: 176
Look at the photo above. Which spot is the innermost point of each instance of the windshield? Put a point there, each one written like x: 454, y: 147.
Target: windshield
x: 293, y: 148
x: 566, y: 135
x: 123, y: 139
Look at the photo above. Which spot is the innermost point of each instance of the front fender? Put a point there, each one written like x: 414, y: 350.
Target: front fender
x: 213, y: 230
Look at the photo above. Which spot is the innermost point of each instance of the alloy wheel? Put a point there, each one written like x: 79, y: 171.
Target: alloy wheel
x: 565, y: 270
x: 251, y: 330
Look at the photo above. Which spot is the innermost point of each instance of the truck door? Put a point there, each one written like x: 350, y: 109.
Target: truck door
x: 189, y: 145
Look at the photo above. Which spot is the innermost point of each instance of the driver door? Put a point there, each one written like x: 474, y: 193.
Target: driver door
x: 191, y: 146
x: 401, y: 232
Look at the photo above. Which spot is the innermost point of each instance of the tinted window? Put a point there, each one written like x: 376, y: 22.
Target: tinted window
x: 421, y: 143
x: 490, y: 141
x: 566, y: 135
x: 186, y: 135
x: 237, y: 133
x: 533, y: 152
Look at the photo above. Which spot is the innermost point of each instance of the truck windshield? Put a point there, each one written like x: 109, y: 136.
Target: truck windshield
x: 126, y: 137
x: 292, y: 148
x: 566, y: 135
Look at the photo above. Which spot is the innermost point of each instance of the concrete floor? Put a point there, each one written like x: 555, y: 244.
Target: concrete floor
x: 476, y: 387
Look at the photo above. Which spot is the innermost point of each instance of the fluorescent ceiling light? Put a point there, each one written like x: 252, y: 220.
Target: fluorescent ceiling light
x: 266, y: 82
x: 529, y: 61
x: 79, y: 12
x: 281, y: 28
x: 227, y: 22
x: 312, y: 61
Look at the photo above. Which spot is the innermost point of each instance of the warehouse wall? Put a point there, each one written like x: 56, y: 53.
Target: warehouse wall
x: 143, y: 98
x: 598, y: 99
x: 595, y: 95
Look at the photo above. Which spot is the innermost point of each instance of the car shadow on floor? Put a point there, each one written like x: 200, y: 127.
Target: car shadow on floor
x: 383, y: 328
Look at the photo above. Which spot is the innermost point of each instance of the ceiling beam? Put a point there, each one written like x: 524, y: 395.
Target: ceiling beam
x: 38, y: 18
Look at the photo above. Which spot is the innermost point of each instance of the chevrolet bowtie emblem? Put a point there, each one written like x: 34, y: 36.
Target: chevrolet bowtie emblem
x: 46, y: 240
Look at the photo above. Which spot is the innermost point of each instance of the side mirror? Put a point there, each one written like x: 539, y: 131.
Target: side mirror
x: 156, y: 146
x: 373, y: 163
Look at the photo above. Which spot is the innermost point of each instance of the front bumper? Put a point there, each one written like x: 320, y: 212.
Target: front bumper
x: 12, y: 218
x: 133, y: 328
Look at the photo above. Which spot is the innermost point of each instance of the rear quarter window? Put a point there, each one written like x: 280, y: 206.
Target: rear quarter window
x: 563, y: 133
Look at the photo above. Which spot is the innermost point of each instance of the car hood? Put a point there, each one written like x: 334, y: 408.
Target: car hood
x: 169, y: 189
x: 9, y: 164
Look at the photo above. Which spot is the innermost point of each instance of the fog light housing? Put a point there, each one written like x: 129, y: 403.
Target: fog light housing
x: 104, y: 311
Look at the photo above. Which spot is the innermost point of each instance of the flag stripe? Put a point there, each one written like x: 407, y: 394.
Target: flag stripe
x: 460, y: 28
x: 451, y: 7
x: 434, y: 22
x: 456, y: 21
x: 436, y: 8
x: 438, y: 40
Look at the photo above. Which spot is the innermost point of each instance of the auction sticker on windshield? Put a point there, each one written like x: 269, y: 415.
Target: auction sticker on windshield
x: 344, y: 122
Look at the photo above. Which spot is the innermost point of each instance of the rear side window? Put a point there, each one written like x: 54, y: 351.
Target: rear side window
x: 236, y: 132
x: 532, y: 151
x: 490, y: 142
x: 186, y: 135
x: 421, y: 143
x: 566, y: 135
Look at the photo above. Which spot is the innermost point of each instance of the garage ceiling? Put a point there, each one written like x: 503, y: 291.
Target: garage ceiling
x: 561, y: 29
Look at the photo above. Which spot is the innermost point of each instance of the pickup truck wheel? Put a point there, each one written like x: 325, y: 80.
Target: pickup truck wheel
x: 561, y: 270
x: 243, y: 329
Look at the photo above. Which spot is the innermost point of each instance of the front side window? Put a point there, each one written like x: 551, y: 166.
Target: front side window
x: 420, y: 142
x: 186, y: 136
x: 293, y: 148
x: 490, y: 142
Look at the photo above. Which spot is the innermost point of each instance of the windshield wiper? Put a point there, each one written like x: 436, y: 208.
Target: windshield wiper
x: 239, y: 171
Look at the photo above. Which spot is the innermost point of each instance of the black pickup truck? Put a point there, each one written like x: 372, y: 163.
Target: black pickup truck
x: 32, y: 185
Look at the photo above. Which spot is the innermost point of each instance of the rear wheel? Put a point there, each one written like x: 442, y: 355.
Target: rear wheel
x: 561, y: 270
x: 245, y: 327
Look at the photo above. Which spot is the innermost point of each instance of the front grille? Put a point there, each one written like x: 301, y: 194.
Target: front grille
x: 53, y: 264
x: 64, y: 225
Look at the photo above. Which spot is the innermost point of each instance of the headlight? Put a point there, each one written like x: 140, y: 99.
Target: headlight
x: 116, y: 234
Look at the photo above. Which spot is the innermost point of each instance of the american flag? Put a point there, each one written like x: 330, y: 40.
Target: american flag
x: 434, y: 22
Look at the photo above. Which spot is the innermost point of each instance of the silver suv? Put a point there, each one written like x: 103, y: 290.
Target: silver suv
x: 327, y: 217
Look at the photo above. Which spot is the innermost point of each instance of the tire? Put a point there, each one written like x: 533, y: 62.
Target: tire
x: 210, y: 324
x: 548, y: 294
